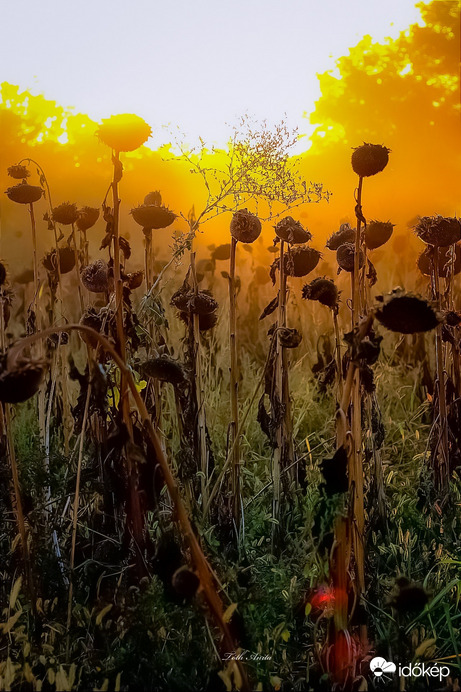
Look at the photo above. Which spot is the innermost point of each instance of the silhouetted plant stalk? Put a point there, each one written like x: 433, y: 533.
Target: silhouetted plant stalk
x: 198, y: 387
x: 367, y: 160
x: 245, y: 227
x: 152, y: 215
x: 326, y: 293
x: 23, y: 193
x: 280, y: 395
x: 125, y: 132
x: 257, y: 168
x: 60, y: 355
x: 339, y: 362
x: 207, y: 580
x: 234, y: 431
x: 16, y: 502
x: 441, y: 234
x: 296, y: 258
x: 75, y: 516
x: 442, y: 472
x: 355, y: 458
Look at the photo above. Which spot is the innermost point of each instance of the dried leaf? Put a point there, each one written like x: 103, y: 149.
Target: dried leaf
x: 103, y: 612
x: 423, y: 647
x: 229, y: 612
x: 270, y: 308
x: 15, y: 592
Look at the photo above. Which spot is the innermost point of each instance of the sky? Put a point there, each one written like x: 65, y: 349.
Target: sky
x: 196, y: 65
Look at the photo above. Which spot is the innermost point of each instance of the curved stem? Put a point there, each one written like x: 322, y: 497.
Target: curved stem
x: 201, y: 563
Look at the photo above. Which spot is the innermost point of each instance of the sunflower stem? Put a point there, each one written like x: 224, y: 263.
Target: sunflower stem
x: 234, y: 441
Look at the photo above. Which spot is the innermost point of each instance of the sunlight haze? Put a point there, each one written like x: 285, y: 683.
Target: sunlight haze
x: 196, y: 66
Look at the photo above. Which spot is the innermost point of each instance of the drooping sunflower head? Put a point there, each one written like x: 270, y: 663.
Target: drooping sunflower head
x: 406, y: 313
x: 439, y: 231
x: 23, y: 193
x: 346, y: 234
x: 65, y: 214
x: 322, y: 289
x: 292, y: 231
x: 245, y: 226
x: 124, y: 132
x: 377, y: 233
x: 18, y: 172
x: 87, y: 217
x: 369, y: 159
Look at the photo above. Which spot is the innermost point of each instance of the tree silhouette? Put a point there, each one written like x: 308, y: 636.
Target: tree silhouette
x: 403, y: 93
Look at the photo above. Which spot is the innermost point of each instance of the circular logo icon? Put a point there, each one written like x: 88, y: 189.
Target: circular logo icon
x: 379, y: 666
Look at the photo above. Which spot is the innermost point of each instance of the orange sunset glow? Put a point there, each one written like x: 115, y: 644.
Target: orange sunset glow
x: 403, y: 93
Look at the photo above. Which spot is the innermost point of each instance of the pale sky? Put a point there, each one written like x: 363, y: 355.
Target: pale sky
x: 193, y: 64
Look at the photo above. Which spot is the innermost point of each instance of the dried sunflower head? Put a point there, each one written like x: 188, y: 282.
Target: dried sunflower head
x: 87, y: 217
x: 322, y: 289
x: 345, y: 256
x: 186, y: 300
x: 447, y: 263
x: 95, y: 276
x: 124, y: 132
x: 20, y: 381
x: 369, y: 159
x: 66, y: 260
x: 292, y: 231
x: 134, y: 280
x: 245, y: 226
x: 301, y: 260
x: 23, y: 193
x: 334, y: 471
x: 346, y: 234
x: 408, y: 597
x: 151, y: 216
x: 65, y: 214
x: 185, y: 582
x: 363, y: 349
x: 406, y: 313
x: 18, y: 172
x: 289, y: 338
x: 377, y: 233
x: 439, y: 231
x: 452, y: 318
x: 205, y: 322
x: 164, y: 368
